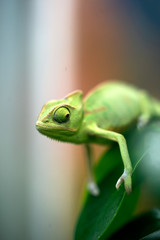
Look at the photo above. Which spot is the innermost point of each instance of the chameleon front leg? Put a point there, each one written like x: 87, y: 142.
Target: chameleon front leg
x: 113, y: 136
x: 92, y: 186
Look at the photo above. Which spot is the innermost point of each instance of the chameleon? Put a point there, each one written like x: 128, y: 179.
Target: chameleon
x: 101, y: 117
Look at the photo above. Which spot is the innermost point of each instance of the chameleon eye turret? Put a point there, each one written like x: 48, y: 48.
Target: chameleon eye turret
x: 61, y: 115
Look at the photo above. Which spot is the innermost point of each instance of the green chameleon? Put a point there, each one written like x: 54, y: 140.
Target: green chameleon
x: 101, y: 117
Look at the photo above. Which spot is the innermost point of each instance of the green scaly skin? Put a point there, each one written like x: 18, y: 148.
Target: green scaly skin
x: 103, y: 116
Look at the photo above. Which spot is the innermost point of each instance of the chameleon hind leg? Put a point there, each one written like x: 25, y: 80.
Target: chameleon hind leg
x: 113, y: 136
x: 92, y: 186
x: 146, y: 109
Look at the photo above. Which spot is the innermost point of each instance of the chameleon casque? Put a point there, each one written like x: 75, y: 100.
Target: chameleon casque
x: 101, y: 117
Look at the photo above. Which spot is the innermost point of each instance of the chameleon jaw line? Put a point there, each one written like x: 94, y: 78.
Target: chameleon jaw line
x: 41, y: 126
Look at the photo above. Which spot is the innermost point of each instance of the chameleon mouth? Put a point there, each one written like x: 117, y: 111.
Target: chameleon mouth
x: 41, y: 127
x: 46, y: 130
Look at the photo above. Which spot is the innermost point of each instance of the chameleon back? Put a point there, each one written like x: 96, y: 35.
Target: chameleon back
x: 114, y: 105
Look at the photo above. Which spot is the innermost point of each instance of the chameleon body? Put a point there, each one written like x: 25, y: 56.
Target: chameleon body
x: 101, y: 117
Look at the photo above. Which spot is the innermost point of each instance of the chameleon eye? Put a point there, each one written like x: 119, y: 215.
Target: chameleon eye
x: 61, y: 115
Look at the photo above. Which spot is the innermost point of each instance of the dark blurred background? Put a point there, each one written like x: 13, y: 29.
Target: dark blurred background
x: 48, y: 49
x: 120, y: 40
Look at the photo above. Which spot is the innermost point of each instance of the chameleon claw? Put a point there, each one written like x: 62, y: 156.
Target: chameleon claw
x: 126, y: 177
x: 119, y: 182
x: 93, y: 188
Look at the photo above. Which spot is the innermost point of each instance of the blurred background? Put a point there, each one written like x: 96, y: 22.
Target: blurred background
x: 48, y: 49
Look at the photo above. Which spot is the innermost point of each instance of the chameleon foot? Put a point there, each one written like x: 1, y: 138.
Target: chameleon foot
x: 126, y: 177
x: 93, y: 188
x: 142, y: 121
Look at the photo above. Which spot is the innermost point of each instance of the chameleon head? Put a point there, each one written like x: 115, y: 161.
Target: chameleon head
x: 61, y: 119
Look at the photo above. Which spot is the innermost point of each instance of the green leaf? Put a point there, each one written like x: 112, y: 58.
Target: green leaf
x: 124, y: 213
x: 99, y: 212
x: 143, y: 227
x: 103, y: 215
x: 153, y: 236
